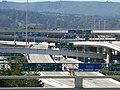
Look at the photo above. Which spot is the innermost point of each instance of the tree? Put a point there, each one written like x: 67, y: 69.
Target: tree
x: 15, y: 69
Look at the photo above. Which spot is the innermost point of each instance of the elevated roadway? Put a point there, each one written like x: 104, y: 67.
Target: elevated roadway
x: 64, y: 83
x: 115, y: 45
x: 40, y: 58
x: 17, y: 43
x: 62, y: 31
x: 111, y: 45
x: 33, y: 39
x: 45, y: 58
x: 33, y: 30
x: 50, y: 39
x: 106, y: 31
x: 51, y: 52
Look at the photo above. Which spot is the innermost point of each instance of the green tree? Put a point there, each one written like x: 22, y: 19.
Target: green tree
x: 15, y: 69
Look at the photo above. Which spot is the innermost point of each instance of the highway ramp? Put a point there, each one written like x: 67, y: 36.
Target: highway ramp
x: 87, y: 83
x: 40, y: 58
x: 37, y: 58
x: 98, y: 83
x: 111, y: 45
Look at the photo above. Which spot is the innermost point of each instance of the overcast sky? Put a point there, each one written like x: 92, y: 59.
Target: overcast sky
x: 60, y: 0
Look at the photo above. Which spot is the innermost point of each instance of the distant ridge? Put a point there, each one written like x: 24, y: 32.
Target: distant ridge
x: 69, y: 7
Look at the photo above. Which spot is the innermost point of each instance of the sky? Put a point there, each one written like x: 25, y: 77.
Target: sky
x: 60, y: 0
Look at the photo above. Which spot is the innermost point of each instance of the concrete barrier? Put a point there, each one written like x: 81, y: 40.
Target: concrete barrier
x: 78, y: 82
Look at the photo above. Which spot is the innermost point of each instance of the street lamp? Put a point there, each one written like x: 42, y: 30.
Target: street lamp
x: 104, y: 24
x: 99, y: 24
x: 26, y: 21
x: 94, y: 26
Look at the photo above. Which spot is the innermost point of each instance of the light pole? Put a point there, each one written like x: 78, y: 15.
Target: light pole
x: 99, y: 24
x: 104, y: 24
x: 94, y: 24
x: 26, y: 22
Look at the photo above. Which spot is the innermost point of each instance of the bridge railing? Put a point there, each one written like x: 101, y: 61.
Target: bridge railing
x: 78, y: 82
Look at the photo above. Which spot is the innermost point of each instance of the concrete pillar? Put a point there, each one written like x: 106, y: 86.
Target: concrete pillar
x: 109, y: 56
x: 93, y: 49
x: 15, y: 38
x: 34, y: 39
x: 77, y: 51
x: 84, y: 52
x: 99, y: 50
x: 104, y: 50
x: 83, y: 49
x: 78, y: 83
x: 115, y: 52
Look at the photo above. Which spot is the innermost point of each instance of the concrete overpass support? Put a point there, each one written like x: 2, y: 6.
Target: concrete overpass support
x: 93, y: 49
x: 109, y: 56
x: 99, y: 50
x: 115, y: 52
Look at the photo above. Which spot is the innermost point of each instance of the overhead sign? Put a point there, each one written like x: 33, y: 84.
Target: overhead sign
x: 19, y: 33
x: 31, y: 34
x: 89, y: 67
x: 80, y: 31
x: 69, y: 36
x: 72, y: 31
x: 114, y: 67
x: 41, y: 66
x: 83, y: 31
x: 39, y: 35
x: 63, y: 45
x: 28, y: 33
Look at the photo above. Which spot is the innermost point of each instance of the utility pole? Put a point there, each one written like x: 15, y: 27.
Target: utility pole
x: 119, y: 24
x: 94, y: 23
x: 26, y: 22
x: 99, y: 24
x: 104, y: 24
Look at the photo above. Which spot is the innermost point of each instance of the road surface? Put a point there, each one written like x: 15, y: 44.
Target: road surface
x: 69, y: 82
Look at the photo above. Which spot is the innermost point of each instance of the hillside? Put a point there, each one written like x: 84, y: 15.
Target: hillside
x: 82, y: 8
x: 16, y: 19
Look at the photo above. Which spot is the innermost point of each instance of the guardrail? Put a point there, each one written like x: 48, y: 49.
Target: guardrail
x: 78, y: 82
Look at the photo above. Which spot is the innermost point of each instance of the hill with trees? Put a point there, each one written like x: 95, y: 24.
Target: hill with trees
x: 47, y: 20
x: 68, y: 7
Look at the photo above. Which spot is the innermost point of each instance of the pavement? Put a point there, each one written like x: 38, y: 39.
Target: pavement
x: 61, y: 83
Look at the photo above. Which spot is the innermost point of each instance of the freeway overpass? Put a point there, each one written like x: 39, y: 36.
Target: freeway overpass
x: 59, y: 35
x: 51, y: 52
x: 38, y: 50
x: 114, y: 45
x: 62, y: 31
x: 109, y: 45
x: 68, y: 83
x: 50, y: 39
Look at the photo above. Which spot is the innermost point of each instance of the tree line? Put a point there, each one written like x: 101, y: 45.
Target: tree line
x: 15, y: 68
x: 46, y: 20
